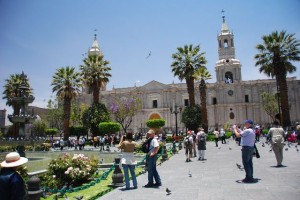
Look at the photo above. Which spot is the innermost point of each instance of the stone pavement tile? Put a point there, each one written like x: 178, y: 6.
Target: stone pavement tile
x: 216, y: 178
x: 284, y: 192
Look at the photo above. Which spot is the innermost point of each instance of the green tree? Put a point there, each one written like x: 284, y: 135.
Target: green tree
x: 95, y: 114
x: 191, y: 117
x: 186, y: 61
x: 67, y: 84
x: 123, y: 110
x: 39, y: 127
x: 109, y: 127
x: 270, y: 104
x: 96, y: 74
x: 203, y: 75
x: 55, y: 114
x: 155, y: 123
x: 275, y: 58
x: 78, y: 131
x: 77, y: 112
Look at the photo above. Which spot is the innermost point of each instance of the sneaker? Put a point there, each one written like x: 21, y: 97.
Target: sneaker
x: 157, y: 184
x: 248, y: 180
x: 149, y: 185
x: 187, y: 160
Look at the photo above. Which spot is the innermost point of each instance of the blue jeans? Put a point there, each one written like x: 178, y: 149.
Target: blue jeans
x: 247, y: 155
x: 126, y: 175
x: 152, y: 172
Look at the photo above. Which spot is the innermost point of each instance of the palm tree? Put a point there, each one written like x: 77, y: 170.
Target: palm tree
x: 66, y: 83
x: 203, y: 75
x: 186, y: 61
x: 96, y: 73
x: 274, y: 58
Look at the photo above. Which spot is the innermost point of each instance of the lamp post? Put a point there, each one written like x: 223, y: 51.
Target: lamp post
x: 176, y: 110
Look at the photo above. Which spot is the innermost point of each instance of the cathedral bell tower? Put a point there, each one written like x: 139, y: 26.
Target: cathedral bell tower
x: 228, y: 68
x: 94, y: 51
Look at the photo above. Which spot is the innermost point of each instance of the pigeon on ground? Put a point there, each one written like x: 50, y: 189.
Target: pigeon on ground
x: 297, y: 150
x: 286, y: 149
x: 230, y: 148
x: 270, y: 150
x: 190, y: 174
x: 263, y: 145
x: 168, y: 191
x: 238, y: 166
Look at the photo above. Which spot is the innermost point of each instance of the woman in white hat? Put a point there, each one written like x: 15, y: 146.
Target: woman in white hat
x: 12, y: 185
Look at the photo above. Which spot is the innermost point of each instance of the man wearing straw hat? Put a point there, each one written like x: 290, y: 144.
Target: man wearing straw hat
x: 12, y: 185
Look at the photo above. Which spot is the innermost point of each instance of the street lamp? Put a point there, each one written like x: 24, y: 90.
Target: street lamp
x: 175, y: 111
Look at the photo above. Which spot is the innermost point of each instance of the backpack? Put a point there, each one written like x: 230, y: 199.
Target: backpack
x: 201, y: 138
x: 277, y: 139
x: 187, y: 141
x: 146, y: 145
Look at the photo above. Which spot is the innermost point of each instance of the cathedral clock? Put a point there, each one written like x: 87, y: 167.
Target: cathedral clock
x: 230, y: 92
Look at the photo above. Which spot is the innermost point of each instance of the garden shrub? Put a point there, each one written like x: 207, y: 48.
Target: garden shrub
x: 69, y: 170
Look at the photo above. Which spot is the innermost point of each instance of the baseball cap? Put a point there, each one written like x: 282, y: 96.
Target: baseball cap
x: 249, y: 121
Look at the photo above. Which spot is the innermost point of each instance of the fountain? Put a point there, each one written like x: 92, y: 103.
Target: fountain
x: 20, y: 117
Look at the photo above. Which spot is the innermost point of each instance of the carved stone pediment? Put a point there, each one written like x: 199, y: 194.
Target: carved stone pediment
x: 154, y: 85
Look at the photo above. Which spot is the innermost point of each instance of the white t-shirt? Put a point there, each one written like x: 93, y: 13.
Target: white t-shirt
x: 153, y: 144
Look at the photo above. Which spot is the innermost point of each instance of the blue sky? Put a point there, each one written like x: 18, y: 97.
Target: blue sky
x: 38, y: 37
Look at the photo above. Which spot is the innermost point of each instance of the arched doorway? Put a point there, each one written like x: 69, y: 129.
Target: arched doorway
x: 154, y: 116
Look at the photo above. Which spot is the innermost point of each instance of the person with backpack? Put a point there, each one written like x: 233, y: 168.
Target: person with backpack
x: 276, y: 135
x: 151, y: 160
x: 223, y: 136
x: 12, y: 185
x: 188, y: 145
x: 127, y: 145
x: 216, y: 136
x: 201, y: 143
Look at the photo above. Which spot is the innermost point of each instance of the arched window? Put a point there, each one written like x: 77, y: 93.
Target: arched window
x: 228, y: 77
x: 226, y: 43
x: 231, y: 115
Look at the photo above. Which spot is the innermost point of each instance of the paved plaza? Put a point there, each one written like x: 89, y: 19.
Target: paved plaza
x: 218, y: 177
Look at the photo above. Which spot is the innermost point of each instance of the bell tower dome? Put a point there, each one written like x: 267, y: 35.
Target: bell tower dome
x: 228, y: 68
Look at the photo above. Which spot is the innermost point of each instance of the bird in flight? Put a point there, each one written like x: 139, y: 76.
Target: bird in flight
x: 148, y: 55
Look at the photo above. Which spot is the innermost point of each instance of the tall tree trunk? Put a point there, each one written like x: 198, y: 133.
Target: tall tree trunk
x: 67, y: 113
x: 284, y: 100
x: 96, y: 93
x: 280, y: 72
x: 191, y: 91
x: 202, y: 90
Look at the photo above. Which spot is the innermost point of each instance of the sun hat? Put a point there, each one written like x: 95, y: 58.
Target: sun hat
x: 249, y: 121
x: 13, y: 159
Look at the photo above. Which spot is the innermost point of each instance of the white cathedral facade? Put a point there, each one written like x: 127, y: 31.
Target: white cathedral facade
x: 229, y: 101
